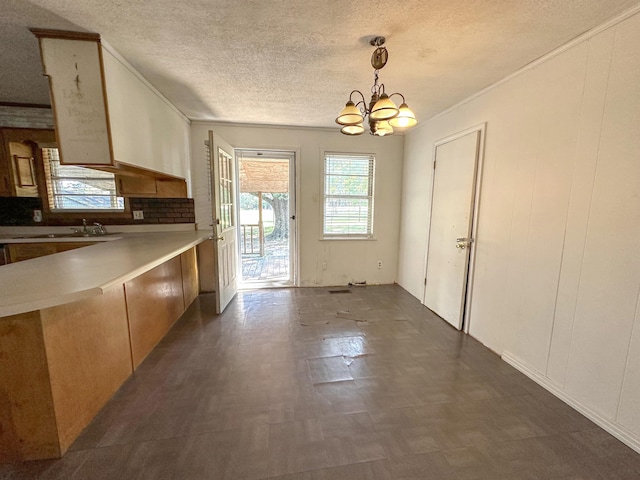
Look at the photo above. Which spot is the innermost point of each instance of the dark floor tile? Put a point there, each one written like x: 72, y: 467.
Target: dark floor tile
x: 338, y: 397
x: 300, y: 384
x: 59, y: 469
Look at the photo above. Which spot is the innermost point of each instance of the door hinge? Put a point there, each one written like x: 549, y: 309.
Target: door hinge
x: 425, y: 282
x: 434, y: 164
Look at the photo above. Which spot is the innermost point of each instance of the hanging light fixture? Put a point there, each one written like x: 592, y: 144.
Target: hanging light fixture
x: 381, y: 113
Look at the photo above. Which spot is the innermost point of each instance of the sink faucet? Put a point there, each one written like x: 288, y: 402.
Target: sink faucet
x: 99, y: 229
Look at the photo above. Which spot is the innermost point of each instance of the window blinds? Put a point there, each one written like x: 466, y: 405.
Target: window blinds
x: 348, y: 195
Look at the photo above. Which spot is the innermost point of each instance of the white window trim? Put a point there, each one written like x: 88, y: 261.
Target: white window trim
x: 51, y: 179
x: 371, y: 197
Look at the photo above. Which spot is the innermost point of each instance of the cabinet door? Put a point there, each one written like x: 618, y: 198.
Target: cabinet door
x: 17, y: 252
x: 171, y: 188
x: 147, y: 186
x: 23, y: 167
x: 5, y: 169
x: 129, y: 186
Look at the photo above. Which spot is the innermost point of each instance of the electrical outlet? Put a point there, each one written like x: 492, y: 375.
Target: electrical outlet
x: 324, y: 265
x: 379, y: 264
x: 138, y: 215
x: 37, y: 215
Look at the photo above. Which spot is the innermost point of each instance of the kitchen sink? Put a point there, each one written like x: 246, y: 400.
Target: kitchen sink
x: 65, y: 235
x: 62, y: 235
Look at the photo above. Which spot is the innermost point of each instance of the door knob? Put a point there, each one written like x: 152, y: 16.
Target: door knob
x: 219, y: 238
x: 463, y: 242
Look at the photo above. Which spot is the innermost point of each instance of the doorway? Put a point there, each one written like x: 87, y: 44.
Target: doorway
x: 454, y: 208
x: 267, y: 233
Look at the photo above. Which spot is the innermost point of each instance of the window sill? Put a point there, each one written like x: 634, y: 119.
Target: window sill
x: 89, y: 212
x: 349, y: 239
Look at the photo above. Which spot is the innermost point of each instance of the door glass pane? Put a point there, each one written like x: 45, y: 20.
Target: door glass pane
x: 226, y: 190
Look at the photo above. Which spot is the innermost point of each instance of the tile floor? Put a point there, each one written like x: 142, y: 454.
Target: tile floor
x: 302, y: 384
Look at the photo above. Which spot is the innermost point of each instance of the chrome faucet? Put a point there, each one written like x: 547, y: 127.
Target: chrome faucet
x: 99, y: 229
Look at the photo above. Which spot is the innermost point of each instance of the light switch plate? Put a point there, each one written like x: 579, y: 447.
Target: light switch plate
x: 138, y: 215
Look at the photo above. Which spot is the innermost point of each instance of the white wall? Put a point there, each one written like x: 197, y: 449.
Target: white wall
x: 146, y: 130
x: 557, y: 273
x: 347, y: 260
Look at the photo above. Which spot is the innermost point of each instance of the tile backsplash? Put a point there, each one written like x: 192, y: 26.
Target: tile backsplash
x: 18, y: 211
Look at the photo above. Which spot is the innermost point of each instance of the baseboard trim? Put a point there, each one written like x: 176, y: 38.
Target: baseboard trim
x: 621, y: 433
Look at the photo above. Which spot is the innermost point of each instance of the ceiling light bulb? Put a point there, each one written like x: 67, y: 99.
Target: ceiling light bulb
x: 405, y: 118
x: 350, y: 115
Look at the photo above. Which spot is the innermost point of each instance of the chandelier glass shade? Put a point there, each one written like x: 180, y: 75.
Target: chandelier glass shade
x: 381, y: 113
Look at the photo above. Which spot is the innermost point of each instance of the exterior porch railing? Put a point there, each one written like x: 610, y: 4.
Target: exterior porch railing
x: 252, y: 239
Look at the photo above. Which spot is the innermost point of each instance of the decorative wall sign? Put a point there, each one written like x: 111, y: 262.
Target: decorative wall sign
x: 73, y: 64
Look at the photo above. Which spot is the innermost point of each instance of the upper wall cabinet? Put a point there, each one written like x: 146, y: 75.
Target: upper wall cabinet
x: 20, y: 159
x: 106, y: 113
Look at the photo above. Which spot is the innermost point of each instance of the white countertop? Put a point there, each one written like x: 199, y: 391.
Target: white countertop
x: 84, y: 272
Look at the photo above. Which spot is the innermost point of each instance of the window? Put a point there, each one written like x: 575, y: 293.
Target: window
x: 348, y: 195
x: 78, y: 188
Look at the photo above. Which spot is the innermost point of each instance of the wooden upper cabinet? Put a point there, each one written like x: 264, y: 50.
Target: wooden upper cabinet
x: 24, y: 169
x: 21, y: 173
x: 73, y: 63
x: 150, y: 186
x: 6, y: 180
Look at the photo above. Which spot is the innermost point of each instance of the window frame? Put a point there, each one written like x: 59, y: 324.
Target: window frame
x: 40, y: 138
x: 370, y: 197
x: 49, y: 191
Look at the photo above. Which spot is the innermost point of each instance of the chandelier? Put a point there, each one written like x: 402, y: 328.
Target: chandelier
x: 383, y: 115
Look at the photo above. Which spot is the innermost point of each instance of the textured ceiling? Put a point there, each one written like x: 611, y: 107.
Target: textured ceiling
x: 294, y: 62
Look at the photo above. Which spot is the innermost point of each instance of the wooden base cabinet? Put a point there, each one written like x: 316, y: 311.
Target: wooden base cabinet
x: 59, y: 366
x: 190, y: 276
x: 18, y: 252
x: 154, y: 302
x: 156, y: 299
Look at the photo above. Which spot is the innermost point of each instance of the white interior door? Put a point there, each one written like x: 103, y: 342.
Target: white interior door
x: 223, y: 198
x: 450, y: 239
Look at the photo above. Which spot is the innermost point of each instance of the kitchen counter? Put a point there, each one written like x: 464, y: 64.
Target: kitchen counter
x: 85, y: 272
x: 75, y: 325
